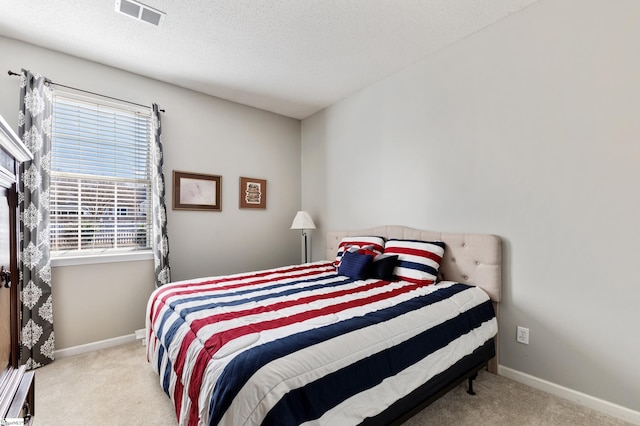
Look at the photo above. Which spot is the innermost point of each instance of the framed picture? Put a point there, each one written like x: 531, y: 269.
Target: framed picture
x: 196, y: 191
x: 253, y: 193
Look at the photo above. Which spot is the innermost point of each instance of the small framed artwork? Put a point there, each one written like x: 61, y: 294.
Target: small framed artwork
x: 253, y: 193
x: 196, y: 191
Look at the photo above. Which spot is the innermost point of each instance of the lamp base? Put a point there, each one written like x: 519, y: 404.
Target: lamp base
x: 306, y: 251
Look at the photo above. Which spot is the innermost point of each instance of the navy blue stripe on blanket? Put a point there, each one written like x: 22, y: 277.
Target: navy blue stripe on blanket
x: 245, y: 364
x: 166, y: 380
x: 312, y: 400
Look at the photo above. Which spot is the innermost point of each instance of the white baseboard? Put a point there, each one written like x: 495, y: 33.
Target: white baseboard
x: 580, y: 398
x: 94, y: 346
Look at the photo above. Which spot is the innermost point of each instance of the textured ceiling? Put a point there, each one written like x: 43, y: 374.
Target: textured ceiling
x: 292, y: 57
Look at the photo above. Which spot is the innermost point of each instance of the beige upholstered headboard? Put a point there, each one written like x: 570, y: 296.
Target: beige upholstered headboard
x: 468, y: 258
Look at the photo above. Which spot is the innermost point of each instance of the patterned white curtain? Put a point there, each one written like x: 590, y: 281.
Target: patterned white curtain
x: 34, y: 129
x: 160, y: 236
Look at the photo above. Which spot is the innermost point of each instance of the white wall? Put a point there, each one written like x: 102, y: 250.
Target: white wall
x: 530, y: 130
x: 200, y: 134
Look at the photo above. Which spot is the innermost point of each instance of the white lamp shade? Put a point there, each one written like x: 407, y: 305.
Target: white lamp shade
x: 303, y: 221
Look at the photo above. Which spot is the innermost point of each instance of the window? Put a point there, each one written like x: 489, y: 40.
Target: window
x: 100, y: 177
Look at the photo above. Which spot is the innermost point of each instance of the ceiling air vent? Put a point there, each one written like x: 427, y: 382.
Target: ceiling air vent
x: 139, y: 11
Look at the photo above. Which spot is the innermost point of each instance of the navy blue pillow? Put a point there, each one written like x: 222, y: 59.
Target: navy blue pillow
x: 383, y: 266
x: 355, y: 265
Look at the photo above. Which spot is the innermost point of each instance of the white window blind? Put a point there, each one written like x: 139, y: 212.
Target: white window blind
x: 100, y: 177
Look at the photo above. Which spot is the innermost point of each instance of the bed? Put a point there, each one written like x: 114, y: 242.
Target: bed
x: 318, y: 343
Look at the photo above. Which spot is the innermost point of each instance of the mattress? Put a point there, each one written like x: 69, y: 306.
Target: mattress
x: 304, y: 345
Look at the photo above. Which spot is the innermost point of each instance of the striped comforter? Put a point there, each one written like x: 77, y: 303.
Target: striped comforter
x: 302, y: 344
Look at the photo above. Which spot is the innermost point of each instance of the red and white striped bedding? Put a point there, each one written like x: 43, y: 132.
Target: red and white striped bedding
x: 302, y: 344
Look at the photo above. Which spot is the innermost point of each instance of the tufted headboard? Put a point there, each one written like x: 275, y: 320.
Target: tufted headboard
x: 468, y: 258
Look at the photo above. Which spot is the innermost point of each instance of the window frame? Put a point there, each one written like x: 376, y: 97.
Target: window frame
x: 108, y: 255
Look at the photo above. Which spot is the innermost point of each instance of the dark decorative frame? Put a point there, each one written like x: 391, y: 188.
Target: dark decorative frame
x: 257, y: 199
x: 210, y: 197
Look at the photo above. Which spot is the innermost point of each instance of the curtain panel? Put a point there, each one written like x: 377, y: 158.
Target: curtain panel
x: 34, y: 128
x: 160, y: 235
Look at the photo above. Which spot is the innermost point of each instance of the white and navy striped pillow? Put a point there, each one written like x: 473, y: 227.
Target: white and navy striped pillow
x: 359, y: 242
x: 418, y: 261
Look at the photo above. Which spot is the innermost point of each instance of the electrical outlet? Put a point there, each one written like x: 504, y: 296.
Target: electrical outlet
x: 522, y: 335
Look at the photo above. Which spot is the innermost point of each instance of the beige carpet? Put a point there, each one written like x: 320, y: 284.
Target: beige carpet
x: 117, y: 387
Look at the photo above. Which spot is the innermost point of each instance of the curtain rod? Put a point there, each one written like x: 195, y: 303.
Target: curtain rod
x: 85, y: 91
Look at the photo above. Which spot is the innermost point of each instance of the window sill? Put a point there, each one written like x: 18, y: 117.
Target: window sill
x: 101, y: 258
